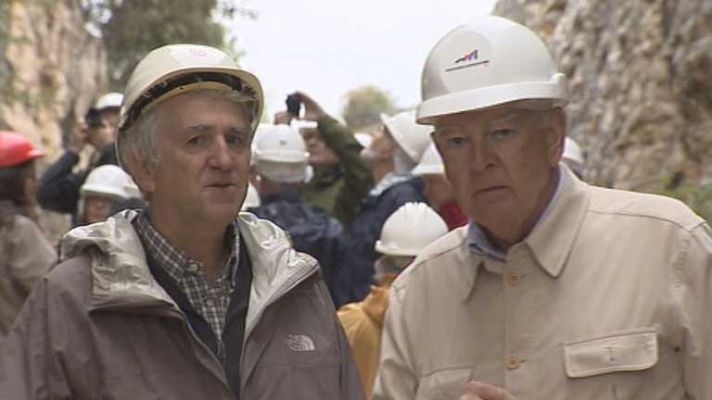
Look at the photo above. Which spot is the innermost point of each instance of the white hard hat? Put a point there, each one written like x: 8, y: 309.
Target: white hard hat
x: 280, y: 154
x: 364, y: 139
x: 280, y: 143
x: 259, y: 131
x: 252, y: 198
x: 430, y: 163
x: 487, y: 62
x: 109, y: 100
x: 300, y: 124
x: 109, y: 180
x: 409, y: 136
x: 409, y: 229
x: 572, y: 151
x: 179, y: 68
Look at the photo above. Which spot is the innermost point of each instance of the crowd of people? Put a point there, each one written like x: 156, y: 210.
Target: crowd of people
x: 453, y: 252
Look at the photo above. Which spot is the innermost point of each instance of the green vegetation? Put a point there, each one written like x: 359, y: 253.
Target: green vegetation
x: 364, y: 105
x: 698, y: 197
x: 131, y: 28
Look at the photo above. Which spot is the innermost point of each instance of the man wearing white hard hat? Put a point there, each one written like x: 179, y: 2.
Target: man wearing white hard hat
x: 281, y: 164
x: 405, y: 233
x: 186, y: 299
x: 393, y: 153
x: 341, y: 178
x: 556, y: 289
x: 105, y: 187
x: 59, y: 187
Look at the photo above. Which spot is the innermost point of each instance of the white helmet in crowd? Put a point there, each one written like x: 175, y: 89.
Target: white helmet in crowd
x: 409, y: 136
x: 109, y: 100
x: 109, y: 181
x: 430, y: 163
x: 573, y: 156
x: 300, y: 124
x: 364, y: 139
x: 409, y: 229
x: 487, y: 62
x: 261, y: 129
x: 572, y: 151
x: 178, y: 68
x: 280, y: 154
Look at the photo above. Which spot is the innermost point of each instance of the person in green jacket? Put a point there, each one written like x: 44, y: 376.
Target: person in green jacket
x: 341, y: 177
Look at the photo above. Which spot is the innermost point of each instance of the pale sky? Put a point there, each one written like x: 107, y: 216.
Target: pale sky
x: 328, y: 47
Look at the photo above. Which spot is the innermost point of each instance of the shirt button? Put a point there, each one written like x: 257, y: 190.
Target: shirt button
x: 193, y: 267
x: 512, y: 278
x: 512, y: 362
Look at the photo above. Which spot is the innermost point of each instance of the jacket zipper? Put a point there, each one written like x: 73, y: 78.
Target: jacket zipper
x: 178, y: 314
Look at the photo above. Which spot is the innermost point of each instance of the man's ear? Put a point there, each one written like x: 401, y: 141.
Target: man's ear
x: 557, y: 135
x: 142, y: 172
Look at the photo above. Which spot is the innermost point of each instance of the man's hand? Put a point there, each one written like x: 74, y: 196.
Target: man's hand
x: 78, y: 138
x: 283, y: 118
x: 312, y: 109
x: 482, y: 391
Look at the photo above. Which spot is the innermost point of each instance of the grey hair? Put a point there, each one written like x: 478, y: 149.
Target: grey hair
x: 139, y: 138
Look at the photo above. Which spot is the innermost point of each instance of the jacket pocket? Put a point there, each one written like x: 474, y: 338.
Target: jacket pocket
x: 635, y: 350
x: 444, y: 384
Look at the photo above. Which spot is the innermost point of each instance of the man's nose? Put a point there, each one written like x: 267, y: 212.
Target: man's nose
x: 222, y: 156
x: 480, y: 156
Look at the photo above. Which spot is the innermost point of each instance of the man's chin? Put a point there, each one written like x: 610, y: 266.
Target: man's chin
x: 220, y: 215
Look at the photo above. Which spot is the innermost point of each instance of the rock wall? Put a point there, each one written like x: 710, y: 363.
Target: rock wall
x: 640, y: 79
x: 51, y: 69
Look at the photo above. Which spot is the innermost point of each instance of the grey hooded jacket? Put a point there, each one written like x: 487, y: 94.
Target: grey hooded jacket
x: 25, y: 256
x: 99, y: 326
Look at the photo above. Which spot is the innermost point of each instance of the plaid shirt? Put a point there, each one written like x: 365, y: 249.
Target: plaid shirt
x: 209, y: 299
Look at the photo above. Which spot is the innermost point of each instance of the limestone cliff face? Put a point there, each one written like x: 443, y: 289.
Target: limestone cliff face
x: 51, y: 69
x: 640, y: 79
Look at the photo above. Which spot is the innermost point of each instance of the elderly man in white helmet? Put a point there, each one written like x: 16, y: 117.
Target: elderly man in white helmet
x: 186, y: 300
x: 556, y: 289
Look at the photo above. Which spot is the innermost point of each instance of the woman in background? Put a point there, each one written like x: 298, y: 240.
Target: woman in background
x: 26, y: 255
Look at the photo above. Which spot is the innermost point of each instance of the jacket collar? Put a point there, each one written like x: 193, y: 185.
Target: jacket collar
x: 553, y: 236
x: 121, y: 278
x: 276, y: 267
x: 325, y: 176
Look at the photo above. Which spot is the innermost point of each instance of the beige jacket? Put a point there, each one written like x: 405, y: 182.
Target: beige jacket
x: 25, y: 256
x: 609, y: 297
x: 99, y: 326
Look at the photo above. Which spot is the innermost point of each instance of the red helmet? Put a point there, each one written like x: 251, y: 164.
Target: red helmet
x: 16, y: 149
